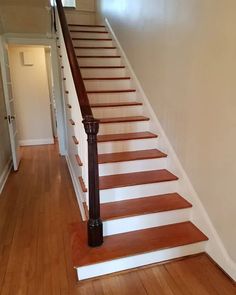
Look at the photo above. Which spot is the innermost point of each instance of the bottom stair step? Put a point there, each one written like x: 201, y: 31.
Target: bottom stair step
x: 134, y: 249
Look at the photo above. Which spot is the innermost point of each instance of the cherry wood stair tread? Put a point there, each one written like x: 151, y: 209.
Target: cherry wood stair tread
x: 98, y: 56
x: 135, y: 178
x: 78, y: 160
x: 142, y: 206
x: 106, y: 78
x: 75, y: 140
x: 94, y: 47
x: 92, y: 39
x: 91, y: 26
x: 111, y: 91
x: 122, y: 119
x: 126, y: 136
x: 115, y: 104
x: 130, y: 156
x: 132, y: 243
x: 82, y: 184
x: 72, y: 122
x: 86, y: 31
x: 102, y: 67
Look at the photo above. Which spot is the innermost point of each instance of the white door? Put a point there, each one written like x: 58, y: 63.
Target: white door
x: 9, y: 100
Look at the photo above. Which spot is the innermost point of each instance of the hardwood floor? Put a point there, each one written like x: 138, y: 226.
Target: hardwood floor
x: 36, y: 208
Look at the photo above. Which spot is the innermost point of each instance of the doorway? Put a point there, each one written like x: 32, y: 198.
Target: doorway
x: 56, y: 103
x: 32, y: 90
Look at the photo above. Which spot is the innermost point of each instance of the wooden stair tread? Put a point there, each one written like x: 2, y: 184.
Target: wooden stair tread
x: 92, y: 39
x: 135, y: 178
x: 91, y: 26
x: 75, y: 140
x: 106, y: 78
x: 102, y: 67
x: 111, y: 91
x: 126, y: 136
x: 81, y: 31
x: 98, y: 56
x: 82, y: 185
x: 78, y: 160
x: 122, y: 119
x: 130, y: 156
x: 115, y: 104
x: 132, y: 243
x: 94, y: 47
x: 141, y: 206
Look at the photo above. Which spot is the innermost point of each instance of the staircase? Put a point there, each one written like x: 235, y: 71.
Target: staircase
x: 145, y: 219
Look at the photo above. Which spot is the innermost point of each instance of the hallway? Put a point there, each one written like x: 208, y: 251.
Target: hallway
x: 36, y: 208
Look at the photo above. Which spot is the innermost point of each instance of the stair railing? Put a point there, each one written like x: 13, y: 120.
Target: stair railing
x: 91, y: 128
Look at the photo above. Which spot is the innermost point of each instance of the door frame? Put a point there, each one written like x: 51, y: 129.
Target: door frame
x: 23, y: 40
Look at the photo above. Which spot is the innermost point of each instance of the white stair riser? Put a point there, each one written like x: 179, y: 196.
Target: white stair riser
x: 112, y: 97
x: 128, y: 224
x: 137, y: 191
x: 111, y: 73
x: 89, y: 35
x: 99, y: 62
x: 128, y: 127
x: 132, y: 166
x: 96, y: 52
x: 130, y: 262
x: 92, y: 43
x: 124, y: 111
x: 99, y: 29
x: 108, y: 84
x: 127, y: 145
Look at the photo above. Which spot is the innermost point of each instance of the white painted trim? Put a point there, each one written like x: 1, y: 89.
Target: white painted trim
x: 215, y: 247
x: 77, y: 188
x: 139, y: 222
x: 5, y: 174
x: 41, y: 40
x: 130, y: 262
x: 6, y: 83
x: 40, y: 141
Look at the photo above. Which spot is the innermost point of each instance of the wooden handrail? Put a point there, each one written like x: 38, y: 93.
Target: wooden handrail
x: 79, y: 84
x: 91, y: 125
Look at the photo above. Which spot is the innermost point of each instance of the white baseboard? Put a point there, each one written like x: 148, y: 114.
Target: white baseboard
x: 215, y: 247
x: 5, y: 174
x: 40, y: 141
x: 77, y: 188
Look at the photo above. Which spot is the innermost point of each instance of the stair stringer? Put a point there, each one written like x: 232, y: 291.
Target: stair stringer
x: 199, y: 216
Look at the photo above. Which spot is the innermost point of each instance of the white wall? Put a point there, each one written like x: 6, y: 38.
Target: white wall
x: 5, y: 149
x: 88, y: 5
x: 183, y: 52
x: 30, y: 89
x: 25, y: 16
x: 83, y: 14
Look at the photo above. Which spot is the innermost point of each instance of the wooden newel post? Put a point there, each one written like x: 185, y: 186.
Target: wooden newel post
x: 95, y: 228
